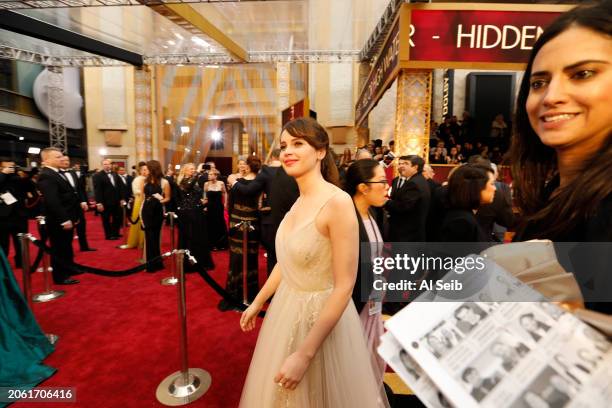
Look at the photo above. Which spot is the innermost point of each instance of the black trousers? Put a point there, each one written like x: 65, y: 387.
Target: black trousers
x: 81, y: 229
x: 111, y: 220
x: 61, y: 243
x: 10, y: 228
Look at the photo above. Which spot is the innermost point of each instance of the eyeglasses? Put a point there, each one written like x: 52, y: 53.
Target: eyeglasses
x: 377, y: 182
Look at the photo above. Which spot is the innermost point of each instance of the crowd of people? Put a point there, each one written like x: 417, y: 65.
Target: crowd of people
x: 310, y: 211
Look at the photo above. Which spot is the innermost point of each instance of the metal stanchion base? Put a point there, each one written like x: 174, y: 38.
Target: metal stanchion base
x: 53, y: 338
x: 173, y: 391
x: 48, y: 296
x: 171, y: 281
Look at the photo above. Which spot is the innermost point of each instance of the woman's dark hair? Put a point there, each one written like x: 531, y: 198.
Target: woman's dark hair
x: 315, y: 135
x: 359, y: 172
x: 155, y: 172
x: 140, y: 164
x: 534, y: 163
x: 254, y: 163
x: 465, y: 185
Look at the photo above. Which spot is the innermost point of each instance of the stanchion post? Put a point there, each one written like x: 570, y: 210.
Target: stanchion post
x: 188, y: 384
x: 24, y: 240
x: 172, y: 280
x: 48, y: 293
x: 123, y: 226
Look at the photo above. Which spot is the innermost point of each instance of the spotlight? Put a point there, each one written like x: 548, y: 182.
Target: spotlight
x: 33, y: 150
x: 103, y: 152
x: 184, y: 129
x: 215, y: 135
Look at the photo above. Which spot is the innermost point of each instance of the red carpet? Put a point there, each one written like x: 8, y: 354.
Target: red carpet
x: 119, y: 336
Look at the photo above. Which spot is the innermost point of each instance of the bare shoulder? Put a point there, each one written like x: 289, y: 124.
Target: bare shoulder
x: 339, y: 207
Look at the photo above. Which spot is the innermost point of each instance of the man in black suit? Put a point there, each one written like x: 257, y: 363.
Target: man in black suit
x: 13, y: 213
x: 61, y: 210
x: 126, y: 184
x: 409, y: 202
x: 79, y: 185
x: 280, y: 192
x: 108, y: 191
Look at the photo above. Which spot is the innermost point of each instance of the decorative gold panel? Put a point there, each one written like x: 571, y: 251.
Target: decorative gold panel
x: 143, y: 125
x: 413, y: 112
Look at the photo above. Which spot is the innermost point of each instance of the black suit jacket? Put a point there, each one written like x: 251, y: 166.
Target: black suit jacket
x: 61, y: 200
x: 107, y: 194
x: 408, y: 209
x: 79, y: 186
x: 126, y: 189
x: 365, y: 276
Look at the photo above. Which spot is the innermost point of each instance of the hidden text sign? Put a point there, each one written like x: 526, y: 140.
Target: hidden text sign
x: 475, y: 35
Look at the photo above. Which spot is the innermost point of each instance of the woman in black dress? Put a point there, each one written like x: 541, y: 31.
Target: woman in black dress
x: 215, y: 196
x: 156, y: 194
x: 562, y: 147
x: 191, y: 220
x: 468, y: 187
x: 243, y: 208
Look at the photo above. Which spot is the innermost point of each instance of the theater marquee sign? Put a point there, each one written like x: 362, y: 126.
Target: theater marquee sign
x: 462, y: 36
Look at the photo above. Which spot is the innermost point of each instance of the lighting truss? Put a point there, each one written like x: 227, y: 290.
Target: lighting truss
x: 12, y: 53
x: 38, y: 4
x: 57, y: 127
x: 322, y: 56
x: 325, y: 56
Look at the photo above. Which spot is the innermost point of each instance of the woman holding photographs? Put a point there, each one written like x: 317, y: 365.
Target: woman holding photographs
x: 367, y: 184
x: 562, y: 148
x: 156, y: 193
x: 311, y: 351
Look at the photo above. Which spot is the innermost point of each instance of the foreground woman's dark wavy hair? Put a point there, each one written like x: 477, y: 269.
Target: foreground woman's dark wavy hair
x: 315, y: 135
x: 534, y: 164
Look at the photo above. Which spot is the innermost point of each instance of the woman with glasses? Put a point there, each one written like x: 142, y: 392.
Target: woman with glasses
x: 367, y: 184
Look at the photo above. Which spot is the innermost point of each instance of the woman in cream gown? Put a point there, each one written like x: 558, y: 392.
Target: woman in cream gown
x: 311, y: 351
x: 136, y: 234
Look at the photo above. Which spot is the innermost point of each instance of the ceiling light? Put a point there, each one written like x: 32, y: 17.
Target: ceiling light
x: 200, y: 41
x: 21, y: 137
x: 33, y: 150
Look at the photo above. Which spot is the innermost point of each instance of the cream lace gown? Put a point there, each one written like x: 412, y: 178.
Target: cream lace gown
x: 341, y: 373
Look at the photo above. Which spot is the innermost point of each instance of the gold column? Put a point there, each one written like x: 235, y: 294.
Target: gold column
x: 143, y: 120
x: 413, y: 112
